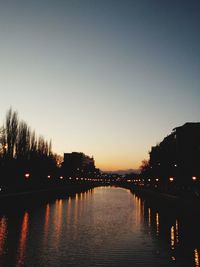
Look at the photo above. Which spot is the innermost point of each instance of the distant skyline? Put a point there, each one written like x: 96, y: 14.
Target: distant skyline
x: 109, y: 78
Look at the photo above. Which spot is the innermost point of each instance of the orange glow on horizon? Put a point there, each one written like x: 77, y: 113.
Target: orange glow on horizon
x: 112, y: 160
x: 117, y: 165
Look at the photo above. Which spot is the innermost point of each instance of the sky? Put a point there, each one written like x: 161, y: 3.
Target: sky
x: 110, y: 78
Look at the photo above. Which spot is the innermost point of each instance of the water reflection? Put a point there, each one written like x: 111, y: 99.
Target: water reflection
x: 46, y: 223
x: 149, y: 217
x: 76, y: 207
x: 22, y: 241
x: 196, y: 257
x: 157, y: 223
x: 172, y: 238
x: 138, y: 211
x: 3, y: 233
x: 177, y: 233
x: 58, y: 222
x: 101, y: 227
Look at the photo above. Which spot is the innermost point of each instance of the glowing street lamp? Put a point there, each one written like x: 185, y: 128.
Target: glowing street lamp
x: 171, y: 179
x: 27, y: 175
x: 194, y: 178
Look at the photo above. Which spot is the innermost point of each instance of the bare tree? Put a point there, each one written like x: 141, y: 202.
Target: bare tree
x: 3, y: 146
x: 23, y: 141
x: 11, y: 131
x: 145, y: 165
x: 33, y: 143
x: 50, y: 148
x: 21, y: 150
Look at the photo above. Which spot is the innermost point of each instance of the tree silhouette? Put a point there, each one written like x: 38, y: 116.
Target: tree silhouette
x: 21, y: 151
x: 11, y: 132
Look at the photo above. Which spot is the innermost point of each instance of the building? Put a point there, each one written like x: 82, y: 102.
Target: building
x: 177, y: 156
x: 77, y: 164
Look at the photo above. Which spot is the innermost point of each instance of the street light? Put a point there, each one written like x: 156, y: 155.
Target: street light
x: 27, y: 175
x: 194, y: 178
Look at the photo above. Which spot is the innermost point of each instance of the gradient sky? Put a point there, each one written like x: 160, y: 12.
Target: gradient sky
x: 109, y: 78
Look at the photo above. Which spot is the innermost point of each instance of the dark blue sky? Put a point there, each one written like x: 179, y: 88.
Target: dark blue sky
x: 109, y: 78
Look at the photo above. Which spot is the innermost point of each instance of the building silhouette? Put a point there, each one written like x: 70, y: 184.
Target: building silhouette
x: 177, y: 158
x: 77, y: 164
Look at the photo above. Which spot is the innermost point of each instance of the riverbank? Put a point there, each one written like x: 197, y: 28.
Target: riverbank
x: 161, y: 199
x: 45, y: 194
x: 154, y: 198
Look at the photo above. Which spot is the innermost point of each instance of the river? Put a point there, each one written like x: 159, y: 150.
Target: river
x: 105, y: 226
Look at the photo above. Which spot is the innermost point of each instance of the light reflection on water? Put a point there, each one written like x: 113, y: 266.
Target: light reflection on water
x: 3, y: 234
x: 101, y: 227
x: 46, y: 223
x: 22, y: 241
x: 196, y: 257
x: 157, y: 223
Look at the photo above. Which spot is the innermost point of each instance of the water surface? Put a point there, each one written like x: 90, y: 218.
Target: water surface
x: 106, y: 226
